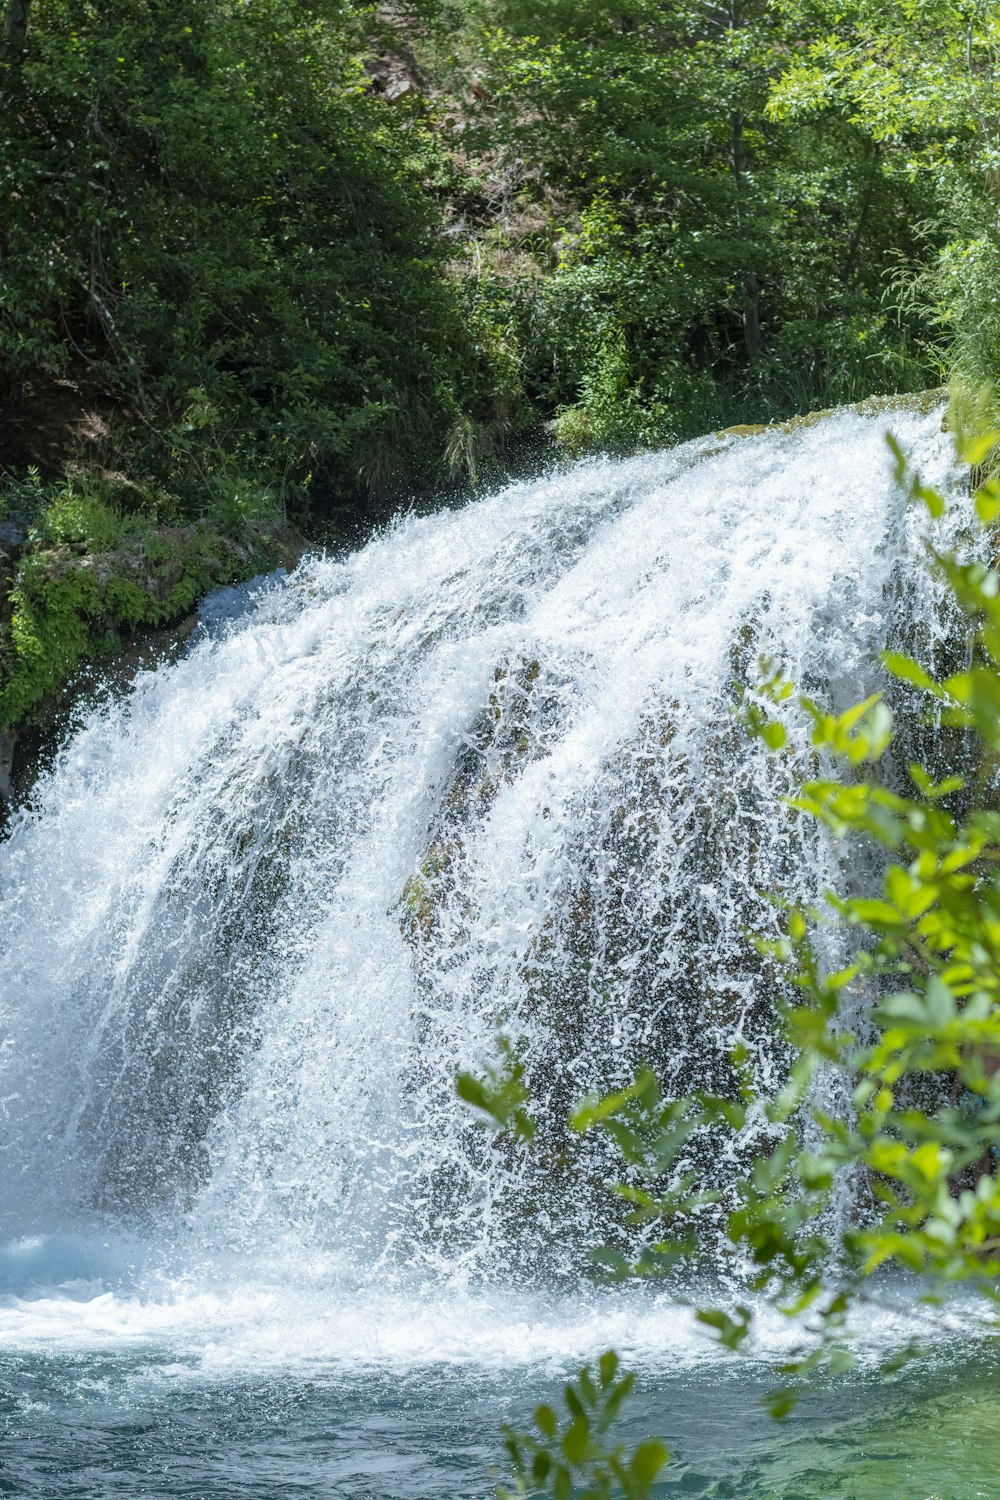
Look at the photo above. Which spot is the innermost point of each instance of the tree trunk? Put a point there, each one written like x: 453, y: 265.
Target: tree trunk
x: 854, y: 245
x: 751, y: 285
x: 751, y: 314
x: 15, y: 24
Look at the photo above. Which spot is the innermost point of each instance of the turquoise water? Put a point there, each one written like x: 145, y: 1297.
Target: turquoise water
x: 146, y: 1424
x: 169, y: 1391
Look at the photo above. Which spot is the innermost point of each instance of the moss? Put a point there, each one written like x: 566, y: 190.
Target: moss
x: 419, y: 901
x: 922, y: 402
x: 82, y: 583
x: 743, y: 429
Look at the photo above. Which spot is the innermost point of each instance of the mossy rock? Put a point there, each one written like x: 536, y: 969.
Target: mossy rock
x: 65, y: 604
x: 418, y: 903
x: 921, y: 402
x: 500, y: 743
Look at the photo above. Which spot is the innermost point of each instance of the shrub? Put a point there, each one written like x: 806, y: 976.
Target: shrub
x: 918, y: 1134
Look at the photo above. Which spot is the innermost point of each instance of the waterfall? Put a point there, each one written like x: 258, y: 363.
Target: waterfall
x: 484, y: 778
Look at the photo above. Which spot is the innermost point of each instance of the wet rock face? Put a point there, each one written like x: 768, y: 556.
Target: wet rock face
x: 633, y: 955
x: 8, y: 742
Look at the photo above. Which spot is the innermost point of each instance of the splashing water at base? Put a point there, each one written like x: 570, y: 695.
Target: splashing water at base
x: 482, y: 778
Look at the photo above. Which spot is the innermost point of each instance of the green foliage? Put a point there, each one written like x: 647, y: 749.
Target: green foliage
x: 626, y: 220
x: 921, y: 82
x: 500, y: 1095
x: 211, y: 205
x: 565, y: 1456
x: 638, y: 226
x: 918, y: 1136
x: 701, y: 261
x: 100, y: 563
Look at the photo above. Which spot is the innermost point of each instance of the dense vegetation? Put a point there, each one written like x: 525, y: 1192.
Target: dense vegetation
x: 217, y: 235
x: 270, y: 264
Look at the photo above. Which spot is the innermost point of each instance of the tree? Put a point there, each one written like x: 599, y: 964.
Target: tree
x: 15, y: 24
x: 705, y: 261
x: 209, y: 210
x: 921, y: 81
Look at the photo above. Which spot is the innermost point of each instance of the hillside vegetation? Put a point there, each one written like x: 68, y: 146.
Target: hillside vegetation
x: 268, y: 271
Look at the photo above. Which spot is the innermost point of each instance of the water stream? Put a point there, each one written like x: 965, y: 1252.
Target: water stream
x: 482, y: 779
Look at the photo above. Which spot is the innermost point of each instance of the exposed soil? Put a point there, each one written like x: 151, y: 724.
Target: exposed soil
x: 58, y: 424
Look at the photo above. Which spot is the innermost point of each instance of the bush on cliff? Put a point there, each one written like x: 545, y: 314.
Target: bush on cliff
x: 94, y: 562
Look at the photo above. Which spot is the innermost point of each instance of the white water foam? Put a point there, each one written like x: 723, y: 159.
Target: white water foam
x: 483, y: 776
x: 213, y: 1332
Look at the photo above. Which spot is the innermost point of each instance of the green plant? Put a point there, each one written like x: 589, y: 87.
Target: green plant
x: 99, y: 563
x: 918, y: 1134
x: 566, y: 1455
x: 922, y: 86
x: 699, y: 258
x: 214, y: 214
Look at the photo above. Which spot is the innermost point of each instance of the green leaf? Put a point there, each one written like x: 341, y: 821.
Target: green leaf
x: 576, y: 1439
x: 501, y: 1095
x: 545, y: 1418
x: 472, y: 1091
x: 988, y: 503
x: 780, y: 1403
x: 647, y: 1461
x: 908, y: 670
x: 731, y: 1331
x: 975, y: 449
x: 612, y: 1260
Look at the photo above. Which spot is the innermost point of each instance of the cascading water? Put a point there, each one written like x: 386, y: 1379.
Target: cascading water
x: 485, y: 778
